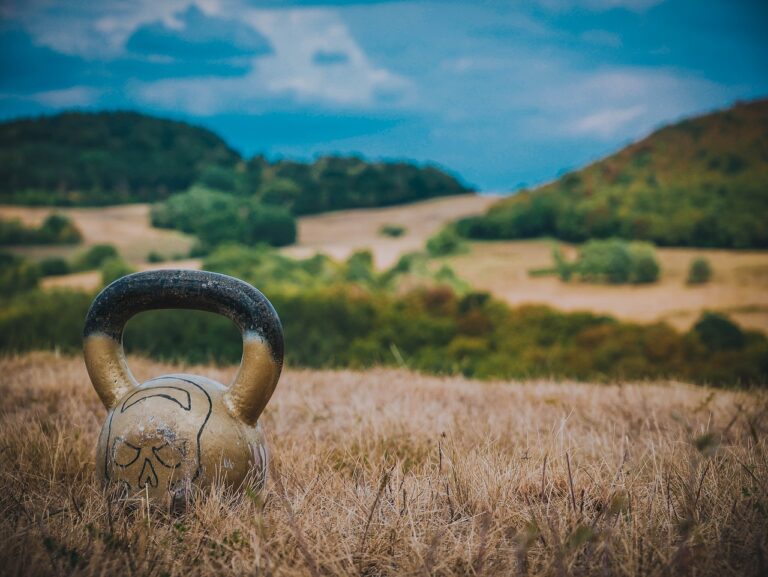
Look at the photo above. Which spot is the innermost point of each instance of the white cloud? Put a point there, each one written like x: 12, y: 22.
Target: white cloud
x: 68, y: 97
x: 98, y: 30
x: 606, y: 123
x: 290, y: 71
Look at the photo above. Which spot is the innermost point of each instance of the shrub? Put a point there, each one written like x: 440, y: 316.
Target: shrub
x: 392, y: 230
x: 94, y: 257
x: 155, y: 257
x: 217, y: 218
x: 114, y: 268
x: 605, y: 261
x: 56, y: 229
x: 718, y: 332
x: 17, y: 274
x: 644, y: 268
x: 53, y: 266
x: 432, y: 329
x: 611, y: 261
x: 445, y: 243
x: 699, y: 272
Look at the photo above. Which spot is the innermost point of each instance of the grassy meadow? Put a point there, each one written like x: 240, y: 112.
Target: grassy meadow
x: 739, y: 286
x: 387, y: 472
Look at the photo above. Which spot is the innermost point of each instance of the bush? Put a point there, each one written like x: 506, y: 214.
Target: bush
x: 432, y: 329
x: 644, y: 268
x: 155, y: 257
x: 699, y: 272
x: 53, y: 266
x: 94, y: 257
x: 392, y: 230
x: 56, y: 229
x: 217, y: 218
x: 17, y: 274
x: 445, y: 243
x: 114, y: 268
x: 718, y: 332
x: 611, y: 261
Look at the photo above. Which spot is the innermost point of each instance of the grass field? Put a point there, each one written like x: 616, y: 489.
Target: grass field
x: 339, y: 234
x: 739, y: 286
x: 391, y: 473
x: 125, y: 226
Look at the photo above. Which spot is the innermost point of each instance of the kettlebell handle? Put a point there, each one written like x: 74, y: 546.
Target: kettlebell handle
x: 235, y: 299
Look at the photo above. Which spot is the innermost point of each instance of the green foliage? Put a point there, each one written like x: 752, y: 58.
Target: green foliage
x: 53, y: 266
x: 155, y: 257
x: 114, y: 268
x: 103, y: 158
x: 433, y: 330
x: 701, y: 182
x: 271, y: 270
x: 217, y: 217
x: 699, y: 272
x: 274, y: 272
x: 445, y: 243
x: 79, y: 158
x: 611, y: 261
x: 392, y: 230
x: 16, y: 275
x: 335, y: 183
x: 645, y: 267
x: 94, y: 257
x: 718, y: 333
x: 44, y: 320
x: 56, y: 229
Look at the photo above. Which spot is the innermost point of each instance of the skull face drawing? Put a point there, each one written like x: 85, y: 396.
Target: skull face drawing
x: 153, y: 436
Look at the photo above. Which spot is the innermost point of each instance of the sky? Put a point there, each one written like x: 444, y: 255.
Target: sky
x: 504, y: 94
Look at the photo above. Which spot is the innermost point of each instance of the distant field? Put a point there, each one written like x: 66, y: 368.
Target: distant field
x: 388, y: 472
x: 739, y: 286
x: 338, y: 234
x: 125, y: 226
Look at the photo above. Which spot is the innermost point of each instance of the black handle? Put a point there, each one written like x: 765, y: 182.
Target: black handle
x: 245, y: 305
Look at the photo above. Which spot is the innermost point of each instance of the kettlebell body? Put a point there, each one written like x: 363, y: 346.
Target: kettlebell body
x: 174, y: 434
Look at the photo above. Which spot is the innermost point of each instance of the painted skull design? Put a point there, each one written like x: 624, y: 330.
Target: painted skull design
x: 153, y: 436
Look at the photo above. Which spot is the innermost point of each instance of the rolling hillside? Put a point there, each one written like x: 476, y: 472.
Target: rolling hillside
x: 105, y: 158
x: 701, y: 182
x: 388, y: 472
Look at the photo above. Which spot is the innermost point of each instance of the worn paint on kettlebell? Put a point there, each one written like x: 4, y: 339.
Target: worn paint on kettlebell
x: 176, y: 433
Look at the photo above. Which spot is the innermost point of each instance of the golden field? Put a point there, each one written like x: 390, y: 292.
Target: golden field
x: 739, y: 286
x: 389, y: 472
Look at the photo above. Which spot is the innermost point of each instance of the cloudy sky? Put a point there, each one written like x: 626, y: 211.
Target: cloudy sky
x: 504, y: 93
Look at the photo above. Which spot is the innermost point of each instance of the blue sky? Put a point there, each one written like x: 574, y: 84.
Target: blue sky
x: 504, y: 93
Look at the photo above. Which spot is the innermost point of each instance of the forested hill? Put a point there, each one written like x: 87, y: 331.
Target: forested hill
x: 78, y: 158
x: 700, y: 182
x: 106, y: 157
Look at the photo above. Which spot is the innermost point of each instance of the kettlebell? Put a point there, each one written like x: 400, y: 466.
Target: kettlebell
x: 175, y: 433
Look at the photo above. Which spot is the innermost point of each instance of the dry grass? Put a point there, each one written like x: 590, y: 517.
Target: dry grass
x: 739, y: 285
x: 126, y: 226
x: 391, y: 473
x: 339, y: 234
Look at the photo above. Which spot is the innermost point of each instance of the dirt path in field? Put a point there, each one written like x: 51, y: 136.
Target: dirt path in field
x: 338, y: 234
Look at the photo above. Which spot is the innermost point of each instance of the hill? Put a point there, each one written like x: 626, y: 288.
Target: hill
x: 701, y: 182
x: 389, y: 472
x: 78, y: 159
x: 103, y: 158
